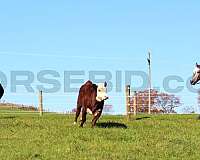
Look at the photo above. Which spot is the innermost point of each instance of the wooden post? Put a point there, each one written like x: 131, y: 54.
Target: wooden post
x: 40, y: 107
x: 199, y: 102
x: 135, y: 103
x: 128, y: 94
x: 149, y: 64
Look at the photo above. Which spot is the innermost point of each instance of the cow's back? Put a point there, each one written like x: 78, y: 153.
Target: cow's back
x: 87, y: 95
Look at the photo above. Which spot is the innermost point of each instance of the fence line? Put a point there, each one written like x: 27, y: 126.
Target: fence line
x: 75, y: 94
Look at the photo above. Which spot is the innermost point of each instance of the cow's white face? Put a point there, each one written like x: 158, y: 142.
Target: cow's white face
x: 102, y: 92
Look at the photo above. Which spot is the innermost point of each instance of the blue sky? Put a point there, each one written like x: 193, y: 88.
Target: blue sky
x: 98, y: 35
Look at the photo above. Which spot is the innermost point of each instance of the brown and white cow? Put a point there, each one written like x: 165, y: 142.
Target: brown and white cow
x: 1, y: 91
x: 91, y: 99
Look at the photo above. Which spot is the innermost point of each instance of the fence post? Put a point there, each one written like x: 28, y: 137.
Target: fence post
x: 135, y: 103
x: 128, y: 94
x: 40, y: 107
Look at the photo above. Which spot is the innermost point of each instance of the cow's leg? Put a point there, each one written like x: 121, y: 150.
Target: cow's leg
x: 78, y: 111
x: 96, y: 117
x: 84, y: 113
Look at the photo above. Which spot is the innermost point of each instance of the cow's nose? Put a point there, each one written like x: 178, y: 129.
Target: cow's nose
x: 106, y: 98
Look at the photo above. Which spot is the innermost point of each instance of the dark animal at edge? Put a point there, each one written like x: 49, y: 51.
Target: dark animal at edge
x: 1, y: 91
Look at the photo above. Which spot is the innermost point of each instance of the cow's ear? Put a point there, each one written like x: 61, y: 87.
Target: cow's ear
x: 105, y: 84
x: 196, y: 64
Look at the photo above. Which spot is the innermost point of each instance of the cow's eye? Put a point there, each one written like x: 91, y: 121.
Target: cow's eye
x: 99, y: 90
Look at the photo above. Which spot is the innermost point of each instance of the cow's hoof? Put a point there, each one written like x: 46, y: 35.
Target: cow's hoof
x: 92, y: 126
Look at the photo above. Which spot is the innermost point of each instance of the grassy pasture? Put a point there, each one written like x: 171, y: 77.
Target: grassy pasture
x: 28, y: 136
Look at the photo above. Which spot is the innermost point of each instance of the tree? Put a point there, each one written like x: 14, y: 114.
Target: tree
x: 143, y: 100
x: 188, y: 109
x: 160, y: 102
x: 108, y: 109
x: 168, y: 103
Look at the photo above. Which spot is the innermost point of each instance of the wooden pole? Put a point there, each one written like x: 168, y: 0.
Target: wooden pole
x: 149, y: 64
x: 128, y: 92
x: 135, y: 103
x: 199, y: 99
x: 40, y: 107
x: 199, y: 102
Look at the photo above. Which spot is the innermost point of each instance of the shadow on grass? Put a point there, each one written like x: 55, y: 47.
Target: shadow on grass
x: 141, y: 118
x: 111, y: 125
x: 8, y: 117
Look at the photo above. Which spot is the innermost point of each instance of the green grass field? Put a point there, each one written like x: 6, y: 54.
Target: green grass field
x: 28, y: 136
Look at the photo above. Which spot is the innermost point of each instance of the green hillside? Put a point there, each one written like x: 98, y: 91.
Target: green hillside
x: 28, y: 136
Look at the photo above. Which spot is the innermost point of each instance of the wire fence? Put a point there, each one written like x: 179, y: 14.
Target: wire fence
x: 62, y: 103
x: 65, y: 103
